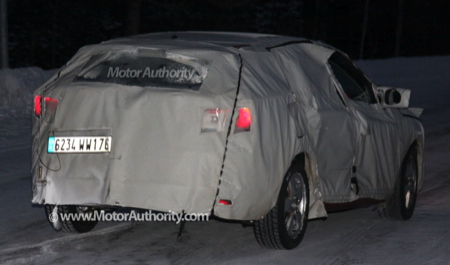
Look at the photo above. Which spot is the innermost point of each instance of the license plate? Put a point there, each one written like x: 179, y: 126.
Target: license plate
x: 79, y: 144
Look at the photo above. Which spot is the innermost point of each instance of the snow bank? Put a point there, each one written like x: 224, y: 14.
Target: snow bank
x: 398, y: 71
x: 425, y: 76
x: 17, y: 86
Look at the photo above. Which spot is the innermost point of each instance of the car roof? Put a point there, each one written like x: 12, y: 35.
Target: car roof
x: 235, y: 40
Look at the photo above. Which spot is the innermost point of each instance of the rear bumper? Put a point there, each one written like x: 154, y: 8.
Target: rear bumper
x: 141, y: 177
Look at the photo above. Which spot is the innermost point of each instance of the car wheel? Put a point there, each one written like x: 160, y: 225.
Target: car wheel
x: 285, y: 225
x: 73, y: 226
x: 402, y: 203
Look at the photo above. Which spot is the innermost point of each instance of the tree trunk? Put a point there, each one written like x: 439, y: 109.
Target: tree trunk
x: 54, y: 10
x: 316, y: 20
x: 323, y: 23
x: 4, y: 60
x: 33, y: 43
x: 363, y: 38
x: 133, y: 17
x: 398, y: 33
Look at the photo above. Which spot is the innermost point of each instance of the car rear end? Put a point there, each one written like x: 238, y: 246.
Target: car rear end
x: 134, y: 126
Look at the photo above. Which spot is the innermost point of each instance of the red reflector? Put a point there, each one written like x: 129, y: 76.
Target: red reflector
x: 225, y: 202
x: 37, y: 105
x: 244, y: 119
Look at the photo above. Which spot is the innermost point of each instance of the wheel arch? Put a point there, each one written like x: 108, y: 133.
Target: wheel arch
x: 420, y: 159
x: 316, y: 206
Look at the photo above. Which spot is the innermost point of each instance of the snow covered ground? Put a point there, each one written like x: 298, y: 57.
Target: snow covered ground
x: 350, y: 237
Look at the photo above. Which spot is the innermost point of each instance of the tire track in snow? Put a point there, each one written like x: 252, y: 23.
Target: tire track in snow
x: 44, y: 244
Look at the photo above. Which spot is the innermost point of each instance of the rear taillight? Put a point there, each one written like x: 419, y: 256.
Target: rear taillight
x: 37, y: 105
x: 50, y: 105
x: 48, y: 108
x: 225, y: 202
x: 243, y: 121
x: 214, y: 120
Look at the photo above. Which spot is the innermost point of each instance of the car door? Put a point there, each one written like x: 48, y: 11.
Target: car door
x: 377, y: 133
x: 325, y: 120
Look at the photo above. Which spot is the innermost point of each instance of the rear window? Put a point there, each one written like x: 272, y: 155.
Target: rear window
x: 144, y: 68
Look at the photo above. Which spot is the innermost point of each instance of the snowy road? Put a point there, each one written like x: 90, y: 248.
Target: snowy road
x: 351, y: 237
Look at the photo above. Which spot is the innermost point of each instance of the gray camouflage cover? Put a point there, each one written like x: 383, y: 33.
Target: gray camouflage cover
x: 160, y: 158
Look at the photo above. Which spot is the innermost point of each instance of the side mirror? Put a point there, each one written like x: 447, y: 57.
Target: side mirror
x: 394, y: 97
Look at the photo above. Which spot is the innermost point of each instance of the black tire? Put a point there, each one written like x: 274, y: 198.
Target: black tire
x: 71, y: 226
x: 272, y: 231
x: 400, y: 206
